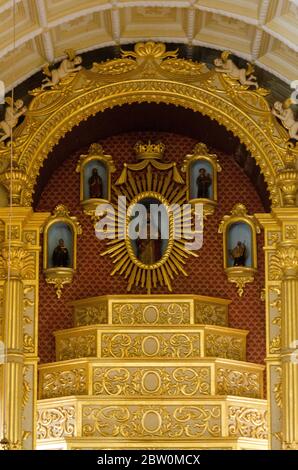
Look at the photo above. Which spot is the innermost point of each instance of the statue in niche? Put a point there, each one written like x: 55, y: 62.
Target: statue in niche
x: 95, y: 185
x: 13, y: 112
x: 284, y: 112
x: 71, y: 64
x: 238, y: 253
x: 60, y: 256
x: 204, y: 182
x: 244, y: 76
x: 149, y: 250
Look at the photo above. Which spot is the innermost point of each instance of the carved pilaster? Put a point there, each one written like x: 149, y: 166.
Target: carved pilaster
x: 287, y: 255
x: 14, y: 263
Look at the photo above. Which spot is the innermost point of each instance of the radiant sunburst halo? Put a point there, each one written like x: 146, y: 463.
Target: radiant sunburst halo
x: 185, y: 224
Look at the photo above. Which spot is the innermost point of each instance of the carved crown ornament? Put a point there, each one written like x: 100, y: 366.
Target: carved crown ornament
x: 70, y: 93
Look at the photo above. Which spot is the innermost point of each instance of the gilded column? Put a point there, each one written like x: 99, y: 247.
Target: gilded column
x: 13, y: 261
x: 273, y: 302
x: 288, y: 257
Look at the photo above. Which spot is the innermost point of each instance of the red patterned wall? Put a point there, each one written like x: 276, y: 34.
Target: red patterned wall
x: 206, y: 275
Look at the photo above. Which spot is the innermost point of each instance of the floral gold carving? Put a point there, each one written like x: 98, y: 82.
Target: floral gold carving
x: 207, y: 314
x: 275, y: 345
x: 143, y: 421
x: 239, y: 383
x: 76, y: 346
x: 63, y: 383
x: 20, y: 262
x: 157, y: 381
x: 228, y: 347
x: 247, y: 422
x: 277, y: 389
x: 56, y: 422
x: 28, y: 343
x: 166, y: 345
x: 291, y: 232
x: 91, y: 315
x: 140, y: 314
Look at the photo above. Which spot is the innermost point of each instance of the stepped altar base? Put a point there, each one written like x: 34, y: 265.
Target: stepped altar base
x: 144, y: 372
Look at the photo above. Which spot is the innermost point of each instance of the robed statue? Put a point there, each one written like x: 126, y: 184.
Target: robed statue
x: 60, y: 256
x: 95, y: 185
x: 238, y: 253
x: 149, y: 250
x: 204, y: 181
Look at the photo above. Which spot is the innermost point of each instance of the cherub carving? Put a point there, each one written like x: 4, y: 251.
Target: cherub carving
x: 12, y: 113
x: 284, y: 112
x: 226, y: 65
x: 68, y: 65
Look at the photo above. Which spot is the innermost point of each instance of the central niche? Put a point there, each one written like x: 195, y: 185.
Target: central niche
x: 149, y: 231
x: 149, y: 199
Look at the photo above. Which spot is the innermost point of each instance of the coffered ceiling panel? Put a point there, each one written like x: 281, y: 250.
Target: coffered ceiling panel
x: 262, y: 31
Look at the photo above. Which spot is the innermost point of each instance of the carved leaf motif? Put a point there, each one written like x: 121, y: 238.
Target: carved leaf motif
x: 56, y: 422
x: 172, y: 422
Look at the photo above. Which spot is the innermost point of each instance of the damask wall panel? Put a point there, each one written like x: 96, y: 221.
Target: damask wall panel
x: 206, y: 275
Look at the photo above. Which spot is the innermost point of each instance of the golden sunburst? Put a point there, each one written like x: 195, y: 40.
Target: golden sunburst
x: 162, y: 182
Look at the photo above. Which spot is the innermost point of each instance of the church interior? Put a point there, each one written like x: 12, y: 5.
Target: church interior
x: 149, y: 225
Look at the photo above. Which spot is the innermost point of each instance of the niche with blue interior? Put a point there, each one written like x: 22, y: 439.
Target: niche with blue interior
x: 201, y: 180
x: 239, y: 245
x: 95, y: 174
x: 60, y: 245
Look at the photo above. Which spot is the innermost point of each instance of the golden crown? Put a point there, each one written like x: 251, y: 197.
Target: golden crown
x: 149, y: 151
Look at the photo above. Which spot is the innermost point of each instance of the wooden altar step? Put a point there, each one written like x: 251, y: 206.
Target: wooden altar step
x: 155, y: 342
x: 160, y: 372
x: 90, y: 422
x: 221, y: 443
x: 175, y: 379
x: 151, y: 310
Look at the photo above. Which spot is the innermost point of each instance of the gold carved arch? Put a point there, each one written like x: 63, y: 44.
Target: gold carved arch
x: 149, y: 74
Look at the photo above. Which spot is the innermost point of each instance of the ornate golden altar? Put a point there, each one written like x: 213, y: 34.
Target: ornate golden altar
x: 159, y: 371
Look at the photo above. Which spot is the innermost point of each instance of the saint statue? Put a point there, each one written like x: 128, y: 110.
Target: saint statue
x: 204, y: 181
x: 95, y: 185
x: 148, y: 249
x: 60, y: 256
x: 238, y: 254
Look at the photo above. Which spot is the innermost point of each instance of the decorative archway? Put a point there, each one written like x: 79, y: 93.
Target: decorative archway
x: 150, y: 74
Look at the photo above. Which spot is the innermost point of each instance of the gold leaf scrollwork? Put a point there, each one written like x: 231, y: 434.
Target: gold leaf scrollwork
x: 144, y: 421
x: 239, y: 383
x: 210, y: 314
x: 77, y: 346
x: 91, y: 315
x: 168, y: 345
x: 277, y: 390
x: 63, y: 383
x: 56, y: 422
x: 247, y: 422
x: 225, y: 346
x: 162, y: 382
x: 142, y: 314
x: 28, y: 343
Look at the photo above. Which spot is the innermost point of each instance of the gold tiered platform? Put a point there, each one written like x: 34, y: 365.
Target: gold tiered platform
x: 162, y: 372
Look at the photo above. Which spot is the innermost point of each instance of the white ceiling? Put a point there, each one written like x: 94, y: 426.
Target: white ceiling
x: 263, y: 31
